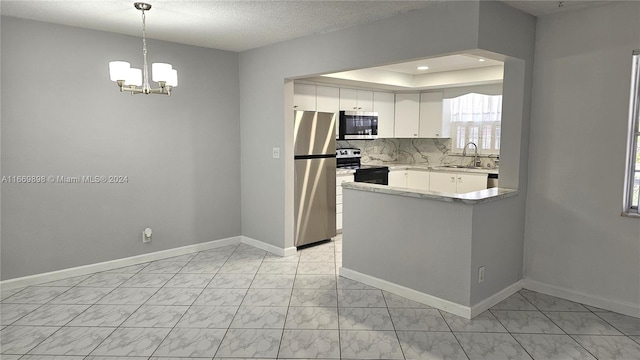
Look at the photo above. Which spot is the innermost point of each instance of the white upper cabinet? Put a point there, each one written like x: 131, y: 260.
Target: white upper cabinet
x: 304, y: 97
x: 327, y: 99
x: 384, y: 105
x: 356, y: 100
x: 407, y: 115
x: 431, y: 120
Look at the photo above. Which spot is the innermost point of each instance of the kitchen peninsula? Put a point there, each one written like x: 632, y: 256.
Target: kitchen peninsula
x: 449, y: 251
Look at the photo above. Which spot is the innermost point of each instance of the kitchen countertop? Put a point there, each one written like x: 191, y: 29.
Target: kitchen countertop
x: 396, y: 166
x: 472, y: 198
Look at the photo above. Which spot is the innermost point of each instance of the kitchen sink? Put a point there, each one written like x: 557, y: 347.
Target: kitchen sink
x: 462, y: 167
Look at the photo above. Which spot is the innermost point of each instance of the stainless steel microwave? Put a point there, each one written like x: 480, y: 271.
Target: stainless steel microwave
x: 358, y: 125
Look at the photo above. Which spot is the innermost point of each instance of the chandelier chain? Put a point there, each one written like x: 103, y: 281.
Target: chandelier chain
x: 145, y: 76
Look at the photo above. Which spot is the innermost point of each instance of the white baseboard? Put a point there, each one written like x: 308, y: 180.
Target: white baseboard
x: 621, y: 307
x: 268, y: 247
x: 113, y: 264
x: 494, y: 299
x: 436, y: 302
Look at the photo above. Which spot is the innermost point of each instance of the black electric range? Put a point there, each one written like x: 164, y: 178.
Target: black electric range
x: 350, y: 159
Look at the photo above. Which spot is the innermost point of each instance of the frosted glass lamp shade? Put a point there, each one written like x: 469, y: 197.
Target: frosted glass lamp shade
x: 173, y: 78
x: 119, y: 70
x: 160, y: 72
x: 134, y: 77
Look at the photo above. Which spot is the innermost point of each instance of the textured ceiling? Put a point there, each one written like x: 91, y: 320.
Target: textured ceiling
x: 546, y: 7
x: 229, y: 25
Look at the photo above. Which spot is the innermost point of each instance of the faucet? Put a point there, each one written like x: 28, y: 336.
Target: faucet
x: 475, y: 155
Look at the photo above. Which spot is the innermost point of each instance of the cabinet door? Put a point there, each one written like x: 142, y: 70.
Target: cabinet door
x: 304, y: 97
x: 417, y: 179
x: 442, y: 182
x: 398, y: 178
x: 327, y: 99
x: 339, y: 180
x: 365, y: 100
x: 348, y: 99
x: 407, y: 115
x: 470, y: 182
x: 431, y: 124
x: 384, y: 105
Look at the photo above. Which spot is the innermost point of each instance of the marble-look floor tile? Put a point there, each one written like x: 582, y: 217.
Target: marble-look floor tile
x: 132, y: 342
x: 191, y: 343
x: 494, y: 346
x: 484, y: 322
x: 163, y: 267
x: 73, y: 281
x: 360, y: 298
x: 52, y: 357
x: 396, y: 301
x: 141, y: 280
x: 317, y: 257
x: 10, y: 313
x: 528, y: 322
x: 221, y: 297
x: 317, y: 268
x: 246, y: 248
x: 580, y: 323
x: 133, y: 269
x: 267, y: 297
x: 365, y: 319
x: 231, y: 281
x: 21, y: 339
x: 277, y: 258
x: 201, y: 267
x: 104, y: 315
x: 278, y: 268
x: 211, y: 256
x: 81, y: 295
x: 595, y: 309
x: 553, y: 347
x: 252, y: 343
x: 174, y: 296
x: 181, y: 258
x: 418, y: 319
x: 348, y: 284
x: 255, y: 317
x: 514, y: 302
x: 312, y: 318
x: 240, y: 267
x: 317, y: 282
x: 418, y: 345
x: 211, y: 317
x: 635, y: 338
x: 189, y: 281
x: 5, y: 293
x: 370, y: 345
x: 108, y: 280
x: 310, y: 344
x: 316, y: 298
x: 268, y: 281
x: 151, y: 316
x: 16, y: 357
x: 628, y: 325
x: 73, y: 341
x: 128, y: 296
x: 546, y: 302
x: 610, y: 347
x: 246, y: 256
x: 35, y: 295
x: 52, y: 315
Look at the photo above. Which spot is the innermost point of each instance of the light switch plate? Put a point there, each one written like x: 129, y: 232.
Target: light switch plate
x: 276, y: 153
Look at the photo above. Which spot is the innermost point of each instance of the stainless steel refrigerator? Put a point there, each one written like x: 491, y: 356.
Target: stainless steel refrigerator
x: 315, y: 176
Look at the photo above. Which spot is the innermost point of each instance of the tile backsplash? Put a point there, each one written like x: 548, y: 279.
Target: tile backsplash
x: 435, y: 152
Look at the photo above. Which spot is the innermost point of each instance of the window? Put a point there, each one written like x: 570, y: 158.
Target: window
x: 475, y: 118
x: 632, y: 180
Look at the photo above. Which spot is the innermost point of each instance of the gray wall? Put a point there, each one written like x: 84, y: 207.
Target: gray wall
x: 445, y: 27
x: 576, y: 239
x: 61, y: 115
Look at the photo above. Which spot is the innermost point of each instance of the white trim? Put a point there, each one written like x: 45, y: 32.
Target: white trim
x: 268, y: 247
x: 494, y: 299
x: 113, y: 264
x: 621, y: 307
x: 414, y: 295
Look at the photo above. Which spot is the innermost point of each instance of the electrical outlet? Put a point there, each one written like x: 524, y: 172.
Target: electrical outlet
x: 146, y: 236
x: 481, y: 274
x: 276, y: 153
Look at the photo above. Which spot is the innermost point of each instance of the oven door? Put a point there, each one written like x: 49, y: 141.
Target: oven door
x: 358, y: 125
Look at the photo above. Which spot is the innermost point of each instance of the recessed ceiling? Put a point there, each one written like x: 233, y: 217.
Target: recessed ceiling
x: 228, y: 25
x: 440, y: 64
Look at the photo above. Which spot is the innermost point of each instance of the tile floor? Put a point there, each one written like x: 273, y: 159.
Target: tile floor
x: 240, y: 302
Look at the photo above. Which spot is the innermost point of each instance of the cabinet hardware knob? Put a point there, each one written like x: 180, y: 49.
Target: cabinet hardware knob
x: 295, y: 106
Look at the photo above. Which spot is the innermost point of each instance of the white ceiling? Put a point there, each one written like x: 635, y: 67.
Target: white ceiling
x: 232, y: 25
x: 546, y: 7
x: 440, y: 64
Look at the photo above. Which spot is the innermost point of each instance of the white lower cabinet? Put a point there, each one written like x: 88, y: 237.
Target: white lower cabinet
x: 339, y: 180
x: 418, y: 179
x: 457, y: 183
x: 398, y: 178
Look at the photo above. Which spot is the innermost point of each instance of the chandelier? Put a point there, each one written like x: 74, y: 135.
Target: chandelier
x: 135, y: 80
